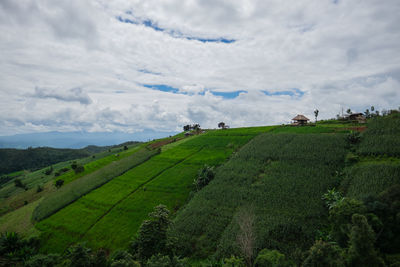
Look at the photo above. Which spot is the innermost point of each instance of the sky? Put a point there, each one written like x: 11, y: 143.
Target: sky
x: 132, y: 65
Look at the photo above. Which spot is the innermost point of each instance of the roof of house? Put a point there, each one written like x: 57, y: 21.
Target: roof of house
x: 300, y: 118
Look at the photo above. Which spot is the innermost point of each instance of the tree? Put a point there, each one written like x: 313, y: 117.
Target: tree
x: 152, y: 234
x: 221, y: 125
x: 348, y: 111
x: 372, y: 108
x: 186, y: 128
x: 271, y: 258
x: 122, y: 258
x: 196, y: 127
x: 361, y: 250
x: 79, y: 256
x: 233, y: 262
x: 367, y: 113
x: 125, y: 148
x: 59, y: 183
x: 340, y: 216
x: 246, y: 237
x: 316, y: 114
x: 324, y: 254
x: 205, y: 175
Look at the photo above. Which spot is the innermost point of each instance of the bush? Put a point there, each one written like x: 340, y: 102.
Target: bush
x: 270, y: 258
x: 152, y: 234
x: 353, y: 137
x: 121, y: 258
x: 39, y: 188
x: 205, y: 175
x: 79, y: 169
x: 41, y: 260
x: 324, y: 254
x: 48, y: 171
x: 361, y: 244
x: 18, y: 183
x: 233, y: 262
x: 74, y: 165
x: 59, y: 183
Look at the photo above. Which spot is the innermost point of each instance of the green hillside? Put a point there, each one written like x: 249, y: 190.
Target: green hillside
x: 277, y: 196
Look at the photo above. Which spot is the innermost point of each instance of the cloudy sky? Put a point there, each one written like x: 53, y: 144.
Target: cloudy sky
x: 129, y: 65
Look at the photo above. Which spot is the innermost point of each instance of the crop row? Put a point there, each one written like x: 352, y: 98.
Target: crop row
x: 110, y: 215
x: 278, y: 179
x: 368, y: 179
x: 73, y: 191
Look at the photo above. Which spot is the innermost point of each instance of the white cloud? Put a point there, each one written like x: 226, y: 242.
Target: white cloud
x: 340, y: 55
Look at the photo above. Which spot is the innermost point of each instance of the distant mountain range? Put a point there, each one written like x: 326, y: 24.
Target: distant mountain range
x: 77, y: 139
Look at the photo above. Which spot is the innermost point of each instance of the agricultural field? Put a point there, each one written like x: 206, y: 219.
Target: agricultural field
x: 377, y: 165
x: 127, y: 199
x: 276, y: 179
x: 13, y: 197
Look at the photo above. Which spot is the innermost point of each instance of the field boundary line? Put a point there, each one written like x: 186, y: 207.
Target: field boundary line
x: 136, y: 189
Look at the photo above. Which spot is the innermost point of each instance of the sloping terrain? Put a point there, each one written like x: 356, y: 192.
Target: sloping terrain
x: 109, y: 216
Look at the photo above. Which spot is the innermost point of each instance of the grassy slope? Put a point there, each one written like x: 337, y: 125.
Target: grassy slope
x: 280, y: 178
x: 379, y: 164
x: 33, y: 179
x: 69, y: 193
x: 110, y: 215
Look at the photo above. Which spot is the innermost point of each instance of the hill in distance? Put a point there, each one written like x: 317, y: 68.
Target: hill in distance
x: 77, y: 139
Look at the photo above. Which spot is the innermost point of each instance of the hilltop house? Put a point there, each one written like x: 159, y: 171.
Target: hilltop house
x: 359, y: 117
x: 300, y: 120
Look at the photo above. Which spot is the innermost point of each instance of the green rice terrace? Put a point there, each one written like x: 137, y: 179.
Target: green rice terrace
x: 325, y: 194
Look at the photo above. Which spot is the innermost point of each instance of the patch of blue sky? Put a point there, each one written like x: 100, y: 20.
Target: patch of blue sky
x: 149, y: 72
x: 228, y: 95
x: 162, y: 87
x: 176, y: 34
x: 170, y: 89
x: 295, y: 92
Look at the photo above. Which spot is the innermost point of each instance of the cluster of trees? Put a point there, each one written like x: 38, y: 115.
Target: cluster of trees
x: 361, y: 233
x: 189, y: 127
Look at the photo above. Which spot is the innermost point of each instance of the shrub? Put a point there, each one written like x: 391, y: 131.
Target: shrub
x: 361, y: 244
x: 59, y: 183
x: 324, y: 254
x: 152, y: 234
x: 270, y: 258
x: 41, y: 260
x: 205, y: 175
x: 79, y: 169
x: 48, y: 171
x: 122, y: 258
x: 18, y: 183
x: 353, y: 137
x: 233, y: 261
x: 39, y: 188
x: 74, y: 165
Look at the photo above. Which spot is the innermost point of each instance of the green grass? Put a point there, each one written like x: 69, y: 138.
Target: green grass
x: 370, y: 178
x: 35, y: 178
x: 73, y: 191
x: 303, y: 129
x: 382, y: 137
x: 280, y: 178
x: 126, y: 200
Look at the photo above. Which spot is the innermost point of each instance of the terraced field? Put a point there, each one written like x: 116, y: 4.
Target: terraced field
x: 109, y: 216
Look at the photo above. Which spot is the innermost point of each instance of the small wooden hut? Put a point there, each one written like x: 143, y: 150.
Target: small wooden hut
x: 300, y: 120
x: 359, y: 117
